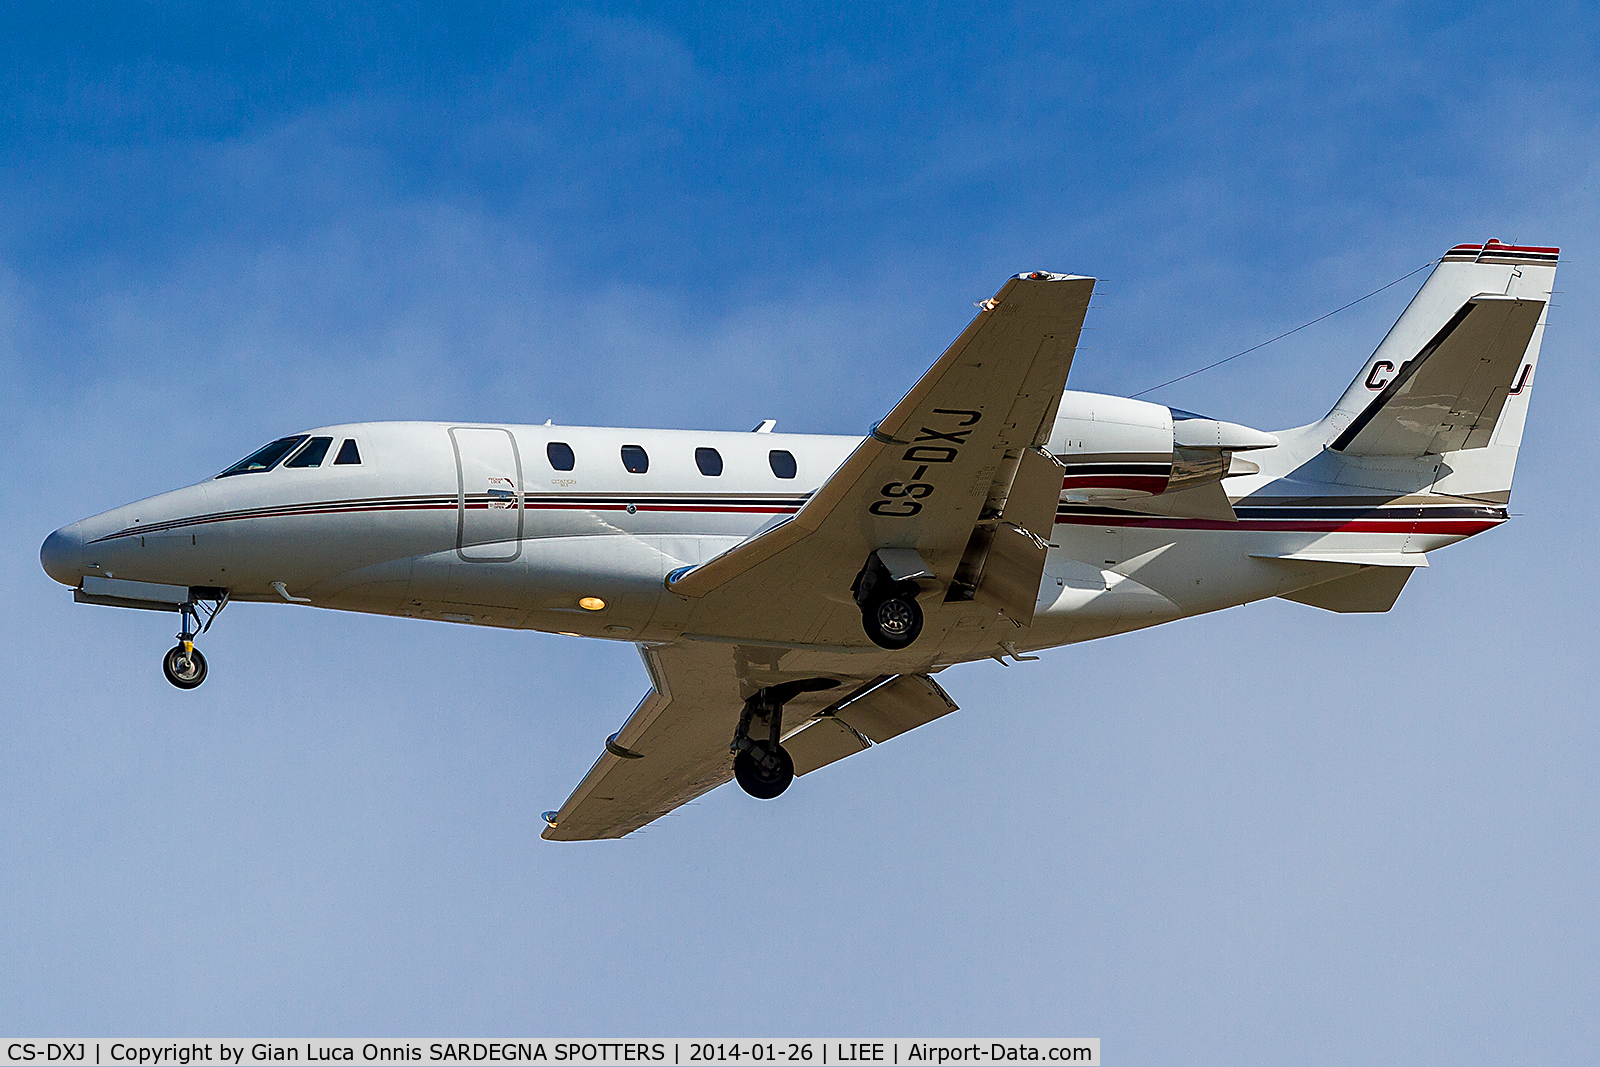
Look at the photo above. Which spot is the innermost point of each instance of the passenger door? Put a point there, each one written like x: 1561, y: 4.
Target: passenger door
x: 489, y: 494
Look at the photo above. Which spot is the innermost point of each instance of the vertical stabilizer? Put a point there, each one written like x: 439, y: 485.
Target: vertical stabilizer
x: 1450, y: 384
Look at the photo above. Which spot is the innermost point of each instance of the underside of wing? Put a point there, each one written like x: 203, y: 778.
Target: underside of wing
x: 675, y: 745
x: 673, y: 748
x: 953, y: 475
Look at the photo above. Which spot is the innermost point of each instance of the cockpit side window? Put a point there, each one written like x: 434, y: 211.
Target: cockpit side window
x: 265, y: 458
x: 348, y: 453
x: 312, y: 454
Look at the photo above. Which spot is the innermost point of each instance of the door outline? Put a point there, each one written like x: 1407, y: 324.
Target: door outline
x: 461, y: 496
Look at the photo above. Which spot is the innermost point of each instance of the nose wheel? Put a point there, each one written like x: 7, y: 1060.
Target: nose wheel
x: 183, y: 665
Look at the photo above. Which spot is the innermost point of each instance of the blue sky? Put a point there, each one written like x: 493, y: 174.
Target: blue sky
x: 1271, y: 835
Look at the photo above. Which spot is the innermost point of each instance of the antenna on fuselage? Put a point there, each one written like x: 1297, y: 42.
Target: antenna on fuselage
x: 765, y: 426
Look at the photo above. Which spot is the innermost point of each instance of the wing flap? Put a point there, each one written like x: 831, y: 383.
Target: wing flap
x: 1013, y: 563
x: 1035, y: 493
x: 821, y: 742
x: 1005, y: 556
x: 887, y: 709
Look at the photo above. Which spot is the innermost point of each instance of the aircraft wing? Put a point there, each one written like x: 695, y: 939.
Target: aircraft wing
x: 674, y: 747
x: 955, y: 477
x: 964, y: 445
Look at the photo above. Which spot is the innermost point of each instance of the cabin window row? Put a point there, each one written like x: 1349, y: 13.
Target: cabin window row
x: 635, y: 460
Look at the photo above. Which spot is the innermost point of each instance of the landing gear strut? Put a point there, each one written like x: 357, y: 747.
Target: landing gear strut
x: 183, y: 665
x: 763, y: 768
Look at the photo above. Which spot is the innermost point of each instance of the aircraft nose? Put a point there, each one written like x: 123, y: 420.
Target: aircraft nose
x: 62, y: 555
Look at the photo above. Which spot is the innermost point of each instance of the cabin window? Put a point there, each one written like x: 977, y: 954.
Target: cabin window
x: 264, y: 458
x: 782, y: 463
x: 312, y: 455
x: 348, y: 453
x: 709, y: 460
x: 559, y: 453
x: 635, y: 459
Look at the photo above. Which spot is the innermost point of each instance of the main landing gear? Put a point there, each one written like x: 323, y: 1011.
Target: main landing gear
x: 762, y: 767
x: 890, y: 613
x: 183, y: 665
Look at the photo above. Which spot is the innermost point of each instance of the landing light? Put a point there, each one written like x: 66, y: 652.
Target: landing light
x: 592, y: 603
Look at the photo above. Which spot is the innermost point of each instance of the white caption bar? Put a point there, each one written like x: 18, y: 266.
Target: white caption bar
x: 546, y: 1052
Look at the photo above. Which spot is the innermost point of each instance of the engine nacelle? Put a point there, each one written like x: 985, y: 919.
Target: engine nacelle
x: 1119, y: 449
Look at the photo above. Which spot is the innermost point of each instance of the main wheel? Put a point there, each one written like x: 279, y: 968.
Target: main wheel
x: 893, y: 622
x: 759, y: 780
x: 184, y: 670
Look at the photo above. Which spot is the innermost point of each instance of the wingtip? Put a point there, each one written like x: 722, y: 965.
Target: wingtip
x: 1045, y: 276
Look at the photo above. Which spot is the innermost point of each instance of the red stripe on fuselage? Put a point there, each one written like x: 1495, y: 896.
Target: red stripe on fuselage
x: 1144, y: 483
x: 1445, y: 526
x: 346, y: 509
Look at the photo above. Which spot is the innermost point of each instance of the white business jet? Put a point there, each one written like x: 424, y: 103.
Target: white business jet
x: 793, y: 595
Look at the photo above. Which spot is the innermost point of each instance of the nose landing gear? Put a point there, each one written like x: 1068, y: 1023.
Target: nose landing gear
x: 763, y: 768
x: 183, y: 665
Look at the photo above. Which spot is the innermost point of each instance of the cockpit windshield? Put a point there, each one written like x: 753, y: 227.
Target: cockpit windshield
x: 264, y: 459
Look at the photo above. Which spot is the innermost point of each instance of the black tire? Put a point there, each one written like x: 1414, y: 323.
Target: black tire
x: 761, y: 782
x: 185, y: 672
x: 893, y: 622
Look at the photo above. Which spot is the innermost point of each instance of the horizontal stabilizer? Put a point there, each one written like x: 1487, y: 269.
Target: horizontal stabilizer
x: 1354, y: 559
x: 1369, y: 589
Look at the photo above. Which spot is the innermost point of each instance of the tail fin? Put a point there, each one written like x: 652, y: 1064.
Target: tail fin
x: 1455, y: 373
